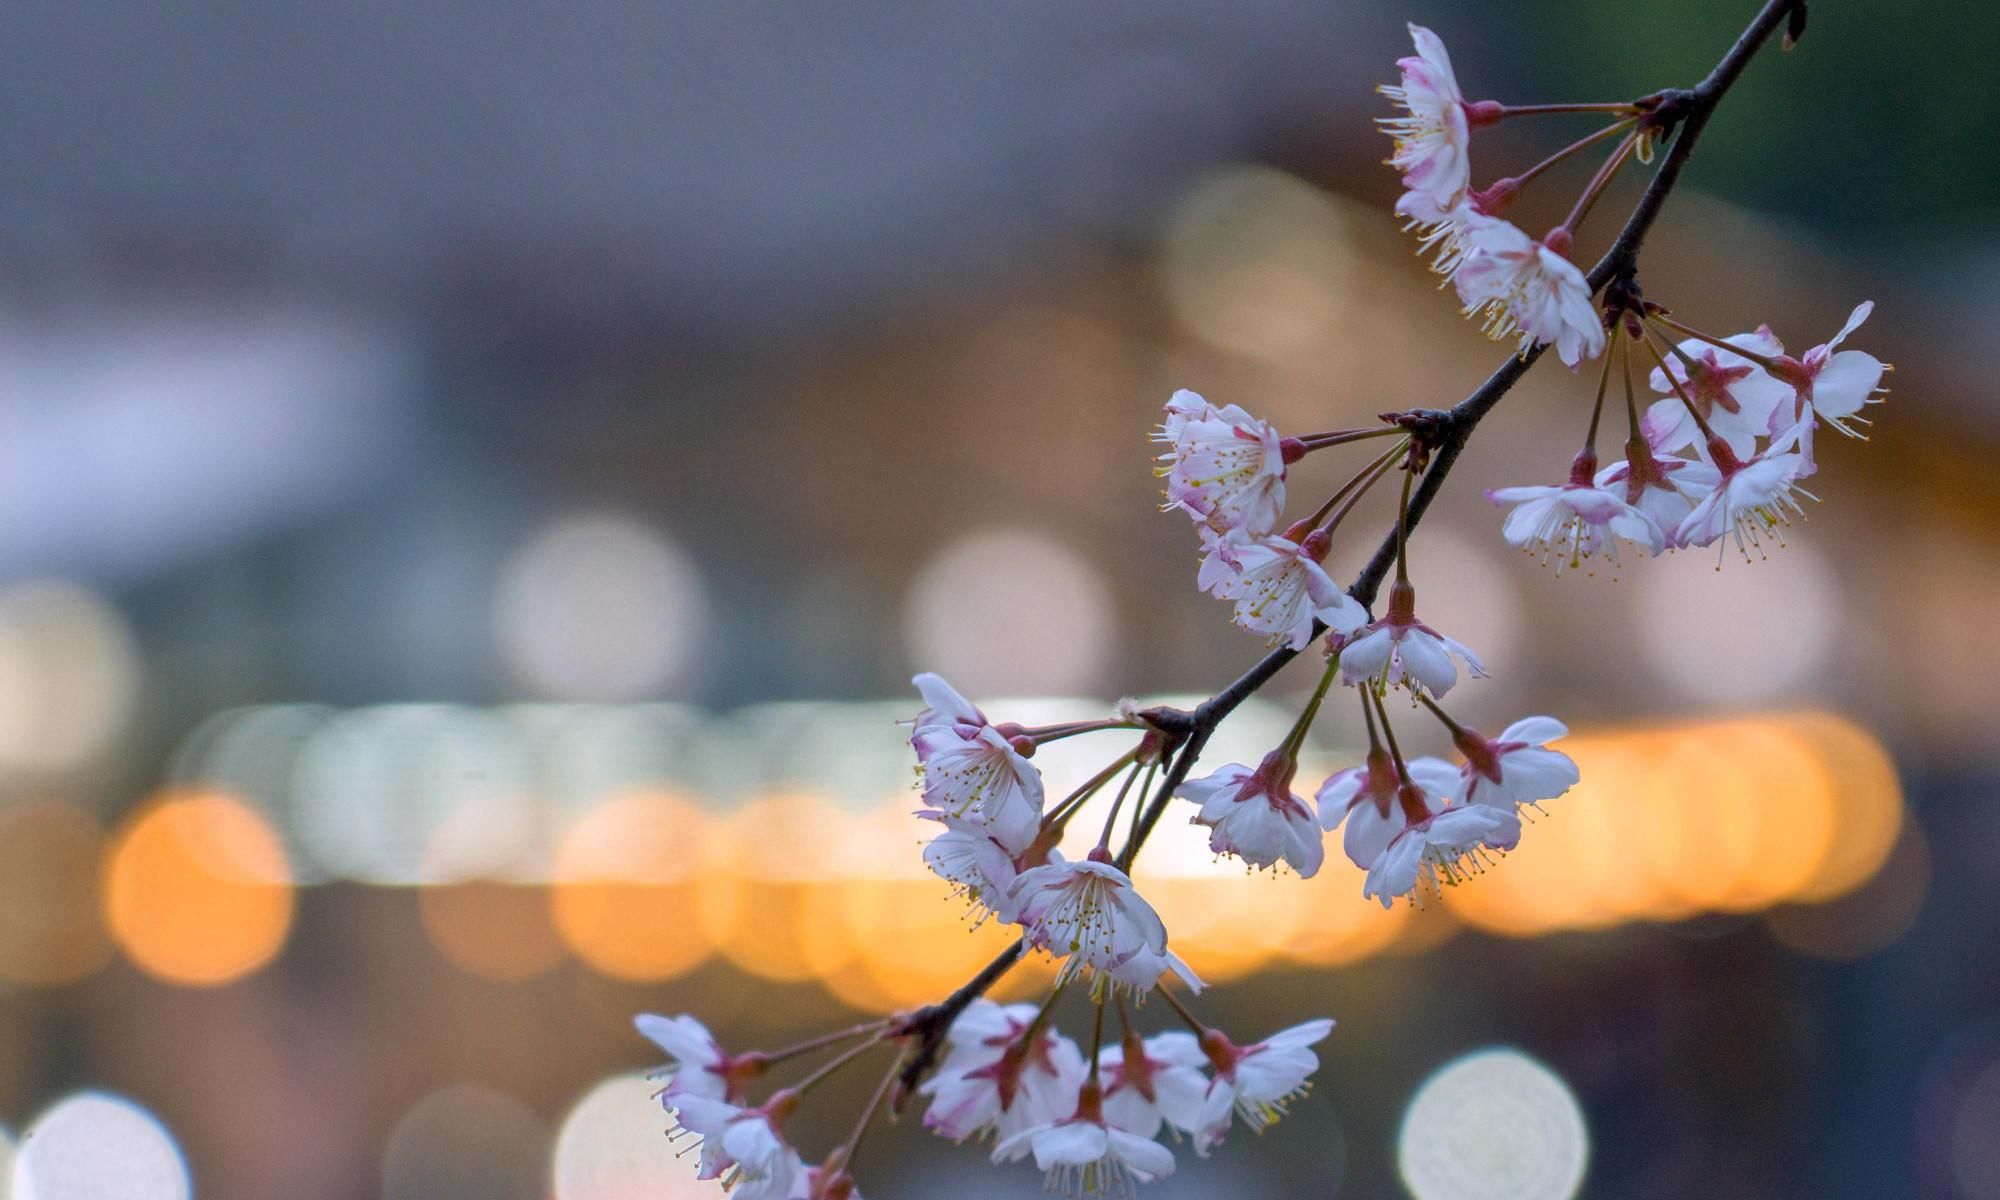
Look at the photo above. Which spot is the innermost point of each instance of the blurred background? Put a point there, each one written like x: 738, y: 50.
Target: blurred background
x: 475, y: 481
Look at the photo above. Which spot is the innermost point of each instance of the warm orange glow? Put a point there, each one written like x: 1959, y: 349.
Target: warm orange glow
x: 627, y: 884
x: 774, y: 865
x: 1867, y: 798
x: 493, y: 930
x: 1869, y: 918
x: 198, y: 890
x: 50, y: 929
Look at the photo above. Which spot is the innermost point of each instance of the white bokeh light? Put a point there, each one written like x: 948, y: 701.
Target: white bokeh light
x: 1493, y: 1125
x: 68, y: 675
x: 1752, y: 632
x: 96, y: 1146
x: 1009, y: 611
x: 613, y: 1146
x: 599, y: 607
x: 467, y: 1140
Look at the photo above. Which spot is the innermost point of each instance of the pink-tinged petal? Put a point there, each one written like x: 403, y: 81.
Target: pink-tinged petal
x: 1395, y: 871
x: 1435, y: 776
x: 1425, y: 659
x: 1070, y: 1143
x: 1369, y: 832
x: 1854, y: 319
x: 1534, y: 731
x: 1365, y: 657
x: 944, y: 702
x: 1534, y: 774
x: 1146, y: 1159
x: 1845, y: 383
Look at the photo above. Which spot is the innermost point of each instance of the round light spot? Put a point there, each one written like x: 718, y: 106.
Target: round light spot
x: 1254, y: 259
x: 494, y: 930
x: 50, y: 928
x: 1495, y: 1124
x: 599, y: 607
x: 467, y: 1141
x: 198, y: 891
x: 95, y: 1146
x: 613, y: 1146
x: 1753, y: 631
x: 627, y: 886
x: 1011, y: 612
x: 68, y: 674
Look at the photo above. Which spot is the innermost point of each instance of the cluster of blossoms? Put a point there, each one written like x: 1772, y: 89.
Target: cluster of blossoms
x: 1694, y: 471
x: 1718, y: 449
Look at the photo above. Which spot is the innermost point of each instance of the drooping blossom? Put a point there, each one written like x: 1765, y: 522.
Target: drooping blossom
x: 1088, y: 914
x: 1439, y: 845
x: 1279, y: 587
x: 970, y: 768
x: 696, y: 1061
x: 996, y: 1080
x: 1731, y: 392
x: 971, y: 856
x: 1156, y: 1080
x: 1374, y: 800
x: 1256, y: 1082
x: 743, y: 1147
x: 1141, y: 973
x: 1083, y: 1154
x: 1754, y: 500
x: 1433, y: 135
x: 1827, y: 384
x: 1400, y: 649
x: 1664, y: 487
x: 1225, y: 468
x: 1515, y: 768
x: 1253, y: 814
x: 1577, y: 521
x: 1517, y: 285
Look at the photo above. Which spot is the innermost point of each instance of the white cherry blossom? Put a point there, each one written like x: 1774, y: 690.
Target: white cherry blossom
x: 1400, y: 649
x: 1226, y: 469
x: 1253, y: 814
x: 1088, y: 914
x: 1515, y: 768
x: 1440, y: 849
x: 1371, y: 800
x: 994, y: 1081
x: 1083, y: 1154
x: 1256, y: 1082
x: 1663, y: 487
x: 1280, y: 589
x: 1518, y: 285
x: 742, y: 1146
x: 1826, y: 384
x: 1731, y: 392
x: 1433, y: 135
x: 1575, y: 522
x: 696, y: 1061
x: 1154, y: 1081
x: 1754, y: 500
x: 970, y: 855
x: 971, y: 768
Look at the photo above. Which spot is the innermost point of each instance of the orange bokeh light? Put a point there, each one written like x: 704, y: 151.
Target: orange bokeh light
x: 198, y: 890
x: 493, y: 930
x: 627, y: 882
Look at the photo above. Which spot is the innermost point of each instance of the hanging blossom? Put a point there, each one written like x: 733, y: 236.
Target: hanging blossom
x: 1433, y: 149
x: 1400, y: 649
x: 1663, y: 487
x: 1225, y: 467
x: 743, y: 1147
x: 1256, y: 1082
x: 1825, y: 384
x: 1089, y: 915
x: 1141, y: 973
x: 1423, y: 841
x: 1084, y: 1154
x: 977, y: 862
x: 970, y: 767
x: 1000, y: 1075
x: 1373, y: 800
x: 1754, y: 500
x: 1253, y: 814
x: 1517, y: 285
x: 1155, y: 1081
x: 1577, y: 521
x: 1731, y: 393
x: 1515, y: 768
x: 696, y: 1061
x: 1279, y: 586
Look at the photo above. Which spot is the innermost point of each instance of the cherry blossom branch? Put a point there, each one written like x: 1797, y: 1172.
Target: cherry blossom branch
x: 1444, y: 432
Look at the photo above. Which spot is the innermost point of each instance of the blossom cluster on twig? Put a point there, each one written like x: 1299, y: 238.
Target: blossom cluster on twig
x: 1714, y: 454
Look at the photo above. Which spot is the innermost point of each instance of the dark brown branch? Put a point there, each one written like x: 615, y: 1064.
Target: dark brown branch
x: 1449, y: 431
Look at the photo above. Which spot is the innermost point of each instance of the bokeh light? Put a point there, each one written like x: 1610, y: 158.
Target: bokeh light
x: 1493, y: 1125
x: 465, y: 1140
x: 613, y: 1146
x: 1009, y: 611
x: 599, y: 607
x: 96, y: 1146
x: 51, y: 929
x: 197, y: 890
x: 627, y: 886
x: 68, y: 674
x: 494, y: 930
